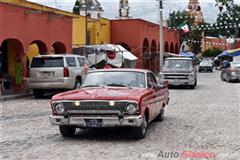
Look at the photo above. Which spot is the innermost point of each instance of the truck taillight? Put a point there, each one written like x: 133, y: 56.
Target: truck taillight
x: 65, y: 72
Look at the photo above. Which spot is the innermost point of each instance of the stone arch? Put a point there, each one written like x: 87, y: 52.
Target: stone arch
x: 176, y: 48
x: 145, y: 54
x: 59, y: 48
x: 12, y: 61
x: 166, y: 47
x: 172, y: 48
x: 145, y: 46
x: 42, y: 47
x: 154, y: 55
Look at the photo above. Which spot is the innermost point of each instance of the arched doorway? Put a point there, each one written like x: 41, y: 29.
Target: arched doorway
x: 12, y: 62
x: 35, y: 48
x: 176, y: 48
x: 124, y: 45
x: 41, y: 46
x: 172, y: 48
x: 146, y: 54
x: 153, y: 55
x: 59, y: 48
x: 166, y: 48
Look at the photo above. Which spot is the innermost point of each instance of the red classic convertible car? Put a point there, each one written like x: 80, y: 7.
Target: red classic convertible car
x: 111, y: 98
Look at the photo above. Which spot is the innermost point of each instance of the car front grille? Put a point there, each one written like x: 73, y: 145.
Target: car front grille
x: 205, y: 67
x: 176, y: 76
x: 96, y: 107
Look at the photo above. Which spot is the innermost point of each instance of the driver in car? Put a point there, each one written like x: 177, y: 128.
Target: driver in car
x: 138, y: 81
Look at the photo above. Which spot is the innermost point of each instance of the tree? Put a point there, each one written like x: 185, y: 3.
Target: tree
x: 194, y: 36
x: 76, y: 8
x: 229, y: 18
x: 212, y: 52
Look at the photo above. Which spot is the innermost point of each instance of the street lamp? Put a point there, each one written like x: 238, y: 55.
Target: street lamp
x: 161, y: 35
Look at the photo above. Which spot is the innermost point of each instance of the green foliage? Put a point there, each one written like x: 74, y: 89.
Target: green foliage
x: 213, y: 52
x: 76, y: 8
x: 176, y: 18
x: 196, y: 37
x: 228, y: 20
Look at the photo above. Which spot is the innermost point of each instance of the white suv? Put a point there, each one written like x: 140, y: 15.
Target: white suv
x: 55, y: 72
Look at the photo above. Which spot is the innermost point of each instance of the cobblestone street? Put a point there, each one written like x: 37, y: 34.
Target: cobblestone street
x: 206, y: 119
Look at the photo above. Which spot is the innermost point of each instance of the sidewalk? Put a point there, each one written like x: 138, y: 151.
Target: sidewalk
x: 14, y: 96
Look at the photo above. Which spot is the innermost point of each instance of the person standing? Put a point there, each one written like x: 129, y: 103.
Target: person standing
x: 18, y: 69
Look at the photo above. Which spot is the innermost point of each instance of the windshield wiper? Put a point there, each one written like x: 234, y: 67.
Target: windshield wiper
x: 117, y: 85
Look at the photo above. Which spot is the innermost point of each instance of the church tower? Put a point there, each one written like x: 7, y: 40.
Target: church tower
x: 124, y: 9
x: 194, y: 9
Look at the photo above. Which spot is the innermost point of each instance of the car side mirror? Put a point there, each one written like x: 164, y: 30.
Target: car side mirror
x: 164, y: 84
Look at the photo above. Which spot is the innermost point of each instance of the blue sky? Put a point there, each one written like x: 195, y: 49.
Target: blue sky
x: 145, y: 9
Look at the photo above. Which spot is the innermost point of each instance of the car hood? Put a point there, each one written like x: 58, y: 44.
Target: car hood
x: 176, y: 71
x: 205, y: 65
x: 106, y: 93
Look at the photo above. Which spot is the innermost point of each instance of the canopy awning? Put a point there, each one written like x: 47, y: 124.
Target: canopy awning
x: 123, y: 56
x: 231, y: 53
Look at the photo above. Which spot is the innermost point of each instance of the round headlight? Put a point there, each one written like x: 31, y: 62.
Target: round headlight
x: 131, y: 108
x: 233, y: 73
x: 59, y: 108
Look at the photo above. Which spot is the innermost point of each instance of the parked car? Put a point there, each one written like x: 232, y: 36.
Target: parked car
x: 111, y: 98
x: 231, y: 72
x: 55, y: 72
x: 179, y: 71
x: 205, y: 66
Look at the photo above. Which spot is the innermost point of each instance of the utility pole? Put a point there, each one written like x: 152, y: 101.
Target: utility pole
x: 161, y: 35
x: 86, y: 22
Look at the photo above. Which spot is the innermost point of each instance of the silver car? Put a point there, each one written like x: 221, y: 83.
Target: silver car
x: 231, y: 72
x: 205, y: 66
x: 55, y: 72
x: 179, y: 71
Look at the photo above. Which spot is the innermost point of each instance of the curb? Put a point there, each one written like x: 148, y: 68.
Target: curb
x: 13, y: 97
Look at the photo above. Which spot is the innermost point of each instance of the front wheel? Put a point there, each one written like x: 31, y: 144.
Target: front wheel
x: 160, y: 117
x: 67, y: 131
x: 140, y: 132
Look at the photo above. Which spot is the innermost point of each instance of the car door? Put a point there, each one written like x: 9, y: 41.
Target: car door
x: 73, y: 69
x: 155, y: 106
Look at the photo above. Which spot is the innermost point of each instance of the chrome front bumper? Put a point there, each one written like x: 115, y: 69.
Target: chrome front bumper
x: 176, y: 82
x: 130, y: 121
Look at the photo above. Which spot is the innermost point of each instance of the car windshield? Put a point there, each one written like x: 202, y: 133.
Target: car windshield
x: 205, y: 63
x: 235, y: 65
x: 115, y: 79
x: 38, y: 62
x: 176, y: 64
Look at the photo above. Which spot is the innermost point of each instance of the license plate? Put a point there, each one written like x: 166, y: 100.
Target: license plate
x: 93, y: 123
x: 46, y: 74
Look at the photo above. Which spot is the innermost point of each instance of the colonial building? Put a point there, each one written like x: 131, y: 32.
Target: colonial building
x: 141, y: 37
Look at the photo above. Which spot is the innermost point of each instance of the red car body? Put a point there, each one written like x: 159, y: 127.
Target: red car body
x: 150, y: 102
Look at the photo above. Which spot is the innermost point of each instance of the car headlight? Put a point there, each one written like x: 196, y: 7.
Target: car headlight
x: 191, y: 75
x: 233, y: 73
x: 59, y: 108
x: 131, y: 108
